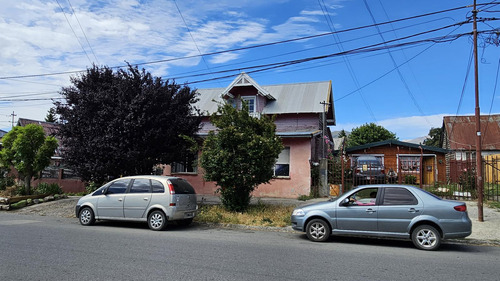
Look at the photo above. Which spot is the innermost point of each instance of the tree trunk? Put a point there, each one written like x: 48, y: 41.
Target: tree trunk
x: 27, y: 184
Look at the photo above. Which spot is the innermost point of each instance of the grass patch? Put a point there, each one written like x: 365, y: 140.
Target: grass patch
x: 256, y: 215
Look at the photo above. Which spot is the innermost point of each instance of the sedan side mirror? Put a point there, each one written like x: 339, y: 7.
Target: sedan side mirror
x: 345, y: 202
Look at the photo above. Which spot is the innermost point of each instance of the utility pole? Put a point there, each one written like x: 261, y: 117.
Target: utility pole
x: 323, y: 165
x: 479, y: 158
x: 13, y: 115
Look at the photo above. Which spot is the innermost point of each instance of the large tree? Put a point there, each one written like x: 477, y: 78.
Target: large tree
x: 240, y: 155
x: 28, y: 150
x: 434, y: 137
x: 124, y: 123
x: 369, y: 133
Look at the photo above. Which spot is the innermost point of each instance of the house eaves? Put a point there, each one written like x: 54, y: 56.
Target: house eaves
x: 396, y: 143
x: 245, y: 80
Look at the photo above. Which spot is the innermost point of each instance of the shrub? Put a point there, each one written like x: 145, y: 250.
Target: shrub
x: 410, y: 179
x: 6, y: 181
x: 45, y: 188
x: 467, y: 182
x: 91, y: 187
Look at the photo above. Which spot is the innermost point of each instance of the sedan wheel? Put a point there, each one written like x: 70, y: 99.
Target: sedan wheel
x: 426, y: 237
x: 157, y: 220
x: 86, y: 216
x: 318, y: 230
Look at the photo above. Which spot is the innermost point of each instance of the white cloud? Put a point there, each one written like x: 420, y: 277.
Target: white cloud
x: 405, y: 127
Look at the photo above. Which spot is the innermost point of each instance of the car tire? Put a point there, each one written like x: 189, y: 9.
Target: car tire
x: 426, y: 237
x: 157, y: 220
x: 86, y: 216
x: 318, y: 230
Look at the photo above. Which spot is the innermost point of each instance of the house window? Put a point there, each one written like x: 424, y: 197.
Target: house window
x: 188, y: 165
x: 282, y: 166
x: 250, y: 102
x: 410, y: 163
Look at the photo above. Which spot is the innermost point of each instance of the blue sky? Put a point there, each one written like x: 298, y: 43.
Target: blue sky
x: 406, y: 88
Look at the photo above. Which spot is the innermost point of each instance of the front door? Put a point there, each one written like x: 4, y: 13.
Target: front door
x: 361, y: 213
x: 110, y: 205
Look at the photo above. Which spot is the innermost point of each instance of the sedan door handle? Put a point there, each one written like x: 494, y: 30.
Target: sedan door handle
x: 146, y: 199
x: 370, y: 210
x: 120, y: 199
x: 413, y: 210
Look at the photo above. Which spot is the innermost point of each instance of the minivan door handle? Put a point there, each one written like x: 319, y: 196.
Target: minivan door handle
x: 145, y: 199
x: 370, y: 210
x: 413, y: 210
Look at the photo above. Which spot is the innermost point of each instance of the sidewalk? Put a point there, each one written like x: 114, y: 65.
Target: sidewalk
x: 487, y: 232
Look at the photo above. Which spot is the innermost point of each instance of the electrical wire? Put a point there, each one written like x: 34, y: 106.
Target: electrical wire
x: 74, y: 33
x: 248, y: 47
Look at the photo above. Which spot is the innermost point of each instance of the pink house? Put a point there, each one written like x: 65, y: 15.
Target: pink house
x: 300, y: 109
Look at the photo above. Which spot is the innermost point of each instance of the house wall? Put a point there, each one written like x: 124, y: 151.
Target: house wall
x: 390, y: 157
x: 298, y: 183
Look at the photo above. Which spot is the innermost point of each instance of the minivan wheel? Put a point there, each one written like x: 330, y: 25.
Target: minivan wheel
x: 426, y: 237
x: 86, y: 216
x: 318, y: 230
x: 157, y: 220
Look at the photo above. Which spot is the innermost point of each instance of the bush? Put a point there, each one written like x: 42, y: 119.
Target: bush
x: 6, y: 181
x: 467, y: 182
x: 91, y: 187
x: 45, y: 188
x: 410, y: 179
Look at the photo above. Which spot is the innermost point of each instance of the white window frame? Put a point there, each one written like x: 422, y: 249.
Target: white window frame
x: 252, y: 109
x: 283, y: 159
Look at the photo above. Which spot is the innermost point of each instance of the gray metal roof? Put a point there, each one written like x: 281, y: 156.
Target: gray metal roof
x: 289, y: 98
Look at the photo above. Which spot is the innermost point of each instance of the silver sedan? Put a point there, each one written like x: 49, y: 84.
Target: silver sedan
x: 387, y: 211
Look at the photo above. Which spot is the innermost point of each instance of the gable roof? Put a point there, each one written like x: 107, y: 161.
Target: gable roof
x: 244, y: 80
x: 396, y: 143
x: 460, y: 132
x: 282, y: 98
x: 50, y: 129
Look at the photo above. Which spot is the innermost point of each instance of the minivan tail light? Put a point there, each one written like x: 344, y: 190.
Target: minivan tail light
x: 171, y: 188
x: 461, y: 208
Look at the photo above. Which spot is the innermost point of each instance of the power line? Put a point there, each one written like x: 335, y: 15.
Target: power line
x: 345, y: 58
x: 85, y: 35
x: 398, y: 70
x: 243, y: 48
x: 74, y: 33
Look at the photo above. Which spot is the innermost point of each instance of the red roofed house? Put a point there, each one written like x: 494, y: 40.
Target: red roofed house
x: 459, y: 136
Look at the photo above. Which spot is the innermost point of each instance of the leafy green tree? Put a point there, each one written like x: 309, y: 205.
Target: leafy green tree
x: 240, y: 155
x: 28, y: 150
x: 369, y: 133
x: 51, y: 116
x: 434, y: 137
x: 124, y: 123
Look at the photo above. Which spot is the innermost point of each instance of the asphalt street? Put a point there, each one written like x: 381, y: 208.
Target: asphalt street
x: 48, y: 248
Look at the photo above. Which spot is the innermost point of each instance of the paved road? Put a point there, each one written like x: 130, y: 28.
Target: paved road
x: 49, y: 248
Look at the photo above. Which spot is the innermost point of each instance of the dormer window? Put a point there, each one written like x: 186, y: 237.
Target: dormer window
x: 251, y: 103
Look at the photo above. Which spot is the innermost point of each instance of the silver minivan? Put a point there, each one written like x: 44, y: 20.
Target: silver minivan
x: 155, y: 199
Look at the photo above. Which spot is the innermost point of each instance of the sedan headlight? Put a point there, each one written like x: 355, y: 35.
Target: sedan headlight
x: 298, y: 212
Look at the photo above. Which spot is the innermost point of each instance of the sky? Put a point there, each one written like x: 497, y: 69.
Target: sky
x: 400, y: 64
